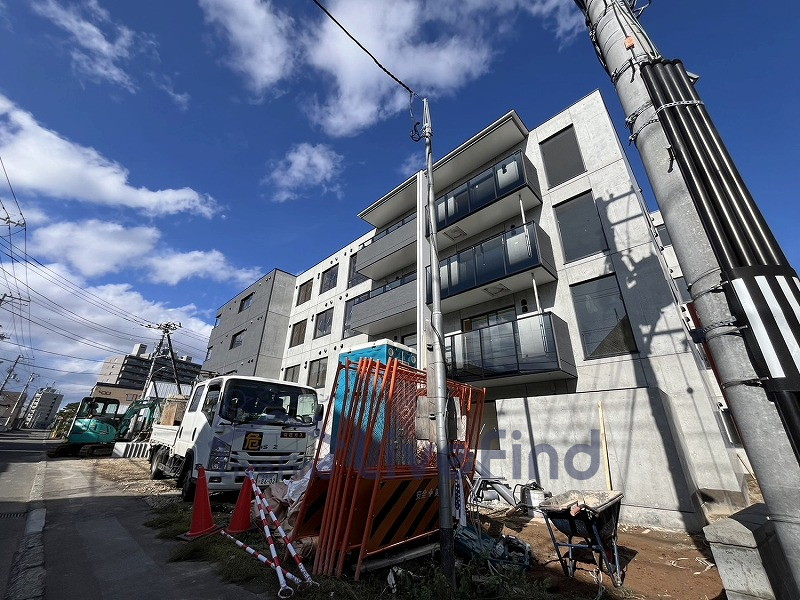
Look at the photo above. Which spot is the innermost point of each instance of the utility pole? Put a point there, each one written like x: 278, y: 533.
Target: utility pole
x: 11, y: 375
x: 436, y: 371
x: 166, y: 329
x: 742, y: 287
x: 15, y: 424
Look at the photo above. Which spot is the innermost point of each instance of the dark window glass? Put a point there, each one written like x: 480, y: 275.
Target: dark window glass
x: 292, y: 373
x: 580, y: 227
x: 562, y: 157
x: 602, y: 320
x: 246, y: 302
x: 216, y: 321
x: 237, y: 339
x: 317, y: 370
x: 328, y: 281
x: 198, y: 393
x: 298, y: 333
x: 481, y: 189
x: 210, y: 402
x: 353, y: 276
x: 347, y: 331
x: 209, y: 352
x: 323, y: 322
x: 663, y: 236
x: 304, y: 292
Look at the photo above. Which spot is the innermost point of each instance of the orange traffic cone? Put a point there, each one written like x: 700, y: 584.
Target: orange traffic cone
x: 240, y: 520
x: 202, y: 521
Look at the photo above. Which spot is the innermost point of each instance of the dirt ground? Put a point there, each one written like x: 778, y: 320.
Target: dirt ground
x: 658, y: 564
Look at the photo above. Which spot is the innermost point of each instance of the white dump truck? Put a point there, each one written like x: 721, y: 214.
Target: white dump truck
x: 235, y: 422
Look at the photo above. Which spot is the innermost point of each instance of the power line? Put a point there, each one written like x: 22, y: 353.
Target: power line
x: 360, y: 45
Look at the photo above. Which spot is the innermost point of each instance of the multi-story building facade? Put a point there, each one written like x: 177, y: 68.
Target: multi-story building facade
x: 557, y: 296
x: 43, y: 408
x: 131, y: 370
x: 249, y: 334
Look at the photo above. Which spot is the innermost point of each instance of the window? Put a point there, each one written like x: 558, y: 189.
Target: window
x: 495, y: 317
x: 209, y: 352
x: 328, y: 281
x: 663, y: 236
x: 246, y: 302
x: 348, y: 331
x: 410, y: 340
x: 298, y: 333
x: 353, y: 276
x: 603, y: 323
x: 322, y: 325
x: 237, y: 339
x: 210, y: 403
x: 292, y: 373
x: 216, y: 321
x: 304, y: 292
x: 317, y: 369
x: 562, y: 157
x: 580, y: 227
x: 198, y: 393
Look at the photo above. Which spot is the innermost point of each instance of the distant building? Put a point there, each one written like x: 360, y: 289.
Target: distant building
x: 130, y: 370
x: 8, y: 400
x: 250, y: 330
x: 43, y: 408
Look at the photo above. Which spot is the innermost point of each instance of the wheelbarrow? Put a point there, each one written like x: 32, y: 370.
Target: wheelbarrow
x: 590, y: 517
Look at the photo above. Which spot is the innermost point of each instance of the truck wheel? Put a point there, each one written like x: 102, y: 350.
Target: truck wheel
x: 156, y: 472
x: 185, y: 480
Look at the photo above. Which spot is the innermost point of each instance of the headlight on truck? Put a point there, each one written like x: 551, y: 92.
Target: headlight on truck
x: 218, y: 457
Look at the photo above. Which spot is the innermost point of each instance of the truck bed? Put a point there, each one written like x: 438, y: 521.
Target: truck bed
x: 164, y: 434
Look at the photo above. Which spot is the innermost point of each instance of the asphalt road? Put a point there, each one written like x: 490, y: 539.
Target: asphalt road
x: 95, y: 543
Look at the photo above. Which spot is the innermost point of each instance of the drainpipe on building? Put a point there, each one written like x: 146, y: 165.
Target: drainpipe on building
x: 703, y: 248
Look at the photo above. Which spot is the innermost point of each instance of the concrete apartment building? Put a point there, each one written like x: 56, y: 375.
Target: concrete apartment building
x: 560, y: 296
x: 130, y: 370
x: 43, y: 408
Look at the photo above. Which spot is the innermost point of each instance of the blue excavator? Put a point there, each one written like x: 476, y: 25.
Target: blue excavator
x: 97, y: 426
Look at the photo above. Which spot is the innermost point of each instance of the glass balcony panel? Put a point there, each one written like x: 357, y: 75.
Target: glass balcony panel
x: 466, y: 355
x: 462, y: 272
x: 490, y: 261
x: 459, y: 207
x: 521, y: 248
x: 441, y: 210
x: 499, y: 349
x: 536, y: 345
x: 481, y: 190
x: 508, y: 173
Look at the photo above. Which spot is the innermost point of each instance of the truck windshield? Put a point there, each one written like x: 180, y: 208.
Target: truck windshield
x: 247, y: 401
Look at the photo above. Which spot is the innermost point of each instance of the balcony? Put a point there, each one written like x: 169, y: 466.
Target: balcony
x: 503, y: 186
x: 531, y: 348
x: 459, y: 215
x: 391, y: 249
x: 388, y: 307
x: 498, y: 266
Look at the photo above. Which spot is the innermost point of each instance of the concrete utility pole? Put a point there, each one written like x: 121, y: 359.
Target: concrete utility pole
x: 10, y: 418
x: 737, y: 275
x: 166, y: 329
x: 437, y: 373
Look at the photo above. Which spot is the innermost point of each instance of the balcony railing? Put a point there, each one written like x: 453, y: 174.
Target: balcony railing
x: 499, y: 180
x: 536, y: 346
x: 387, y: 288
x: 501, y: 256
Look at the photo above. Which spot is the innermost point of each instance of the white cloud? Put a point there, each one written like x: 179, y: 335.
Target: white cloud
x: 363, y: 94
x: 173, y: 267
x: 95, y: 53
x: 181, y: 99
x: 412, y: 164
x: 94, y: 247
x: 306, y: 166
x: 261, y: 48
x: 44, y: 163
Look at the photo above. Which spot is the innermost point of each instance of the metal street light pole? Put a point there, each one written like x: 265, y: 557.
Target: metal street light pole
x: 437, y: 373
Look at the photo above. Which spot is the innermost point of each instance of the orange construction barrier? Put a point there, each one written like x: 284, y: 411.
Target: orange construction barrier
x: 378, y: 489
x: 202, y: 520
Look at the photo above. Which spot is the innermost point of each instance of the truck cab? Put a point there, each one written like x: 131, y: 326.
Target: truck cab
x: 232, y: 423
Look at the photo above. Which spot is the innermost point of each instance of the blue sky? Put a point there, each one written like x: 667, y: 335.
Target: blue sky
x: 166, y: 154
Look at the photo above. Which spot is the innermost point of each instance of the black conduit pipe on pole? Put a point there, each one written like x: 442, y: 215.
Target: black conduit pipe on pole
x: 712, y: 224
x: 763, y: 233
x: 717, y: 176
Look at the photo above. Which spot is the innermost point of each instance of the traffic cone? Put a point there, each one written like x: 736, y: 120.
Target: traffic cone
x: 240, y: 520
x: 202, y: 521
